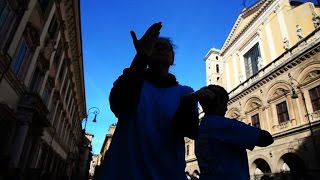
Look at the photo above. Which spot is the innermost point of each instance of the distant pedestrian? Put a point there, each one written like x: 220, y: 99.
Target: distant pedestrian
x: 222, y: 143
x: 154, y: 114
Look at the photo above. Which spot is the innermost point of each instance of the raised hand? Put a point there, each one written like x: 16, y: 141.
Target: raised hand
x: 146, y: 43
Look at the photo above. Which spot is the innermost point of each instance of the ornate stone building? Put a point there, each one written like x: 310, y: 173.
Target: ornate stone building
x: 42, y: 94
x: 270, y: 65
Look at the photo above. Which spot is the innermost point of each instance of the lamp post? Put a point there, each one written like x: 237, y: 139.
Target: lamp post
x: 295, y: 96
x: 93, y: 110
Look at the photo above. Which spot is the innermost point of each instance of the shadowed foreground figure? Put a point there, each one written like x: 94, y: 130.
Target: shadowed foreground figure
x: 222, y: 143
x: 154, y: 115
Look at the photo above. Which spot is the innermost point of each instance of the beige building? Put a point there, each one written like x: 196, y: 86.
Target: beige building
x: 105, y: 146
x: 42, y: 95
x: 270, y: 65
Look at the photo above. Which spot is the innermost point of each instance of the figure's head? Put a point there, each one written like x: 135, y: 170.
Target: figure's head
x: 217, y: 105
x: 162, y: 56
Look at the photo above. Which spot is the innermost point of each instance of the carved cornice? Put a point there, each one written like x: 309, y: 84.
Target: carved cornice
x: 279, y: 70
x: 69, y: 18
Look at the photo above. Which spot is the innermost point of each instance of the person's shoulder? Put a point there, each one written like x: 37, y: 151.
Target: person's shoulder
x: 216, y: 117
x: 186, y: 89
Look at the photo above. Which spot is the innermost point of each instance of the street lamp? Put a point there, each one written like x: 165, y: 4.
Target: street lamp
x: 93, y: 110
x: 295, y: 96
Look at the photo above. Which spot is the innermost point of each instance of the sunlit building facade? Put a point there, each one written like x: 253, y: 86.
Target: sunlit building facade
x: 270, y: 65
x: 42, y: 94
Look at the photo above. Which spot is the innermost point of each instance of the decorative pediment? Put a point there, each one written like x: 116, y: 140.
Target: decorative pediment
x: 234, y: 113
x: 312, y: 76
x: 254, y: 105
x: 278, y: 93
x: 244, y: 21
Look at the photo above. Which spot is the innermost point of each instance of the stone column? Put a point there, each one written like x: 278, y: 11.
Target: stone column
x: 25, y: 118
x: 34, y: 152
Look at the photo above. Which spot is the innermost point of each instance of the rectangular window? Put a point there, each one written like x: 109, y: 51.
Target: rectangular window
x: 56, y: 118
x: 46, y: 94
x: 187, y: 151
x: 51, y: 113
x: 62, y: 70
x: 251, y: 60
x: 36, y: 81
x: 315, y: 98
x: 53, y: 27
x: 255, y: 120
x: 4, y: 13
x: 20, y: 56
x: 282, y: 112
x: 44, y: 4
x: 57, y: 55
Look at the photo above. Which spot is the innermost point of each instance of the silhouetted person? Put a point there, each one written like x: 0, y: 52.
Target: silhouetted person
x: 154, y: 115
x: 222, y: 143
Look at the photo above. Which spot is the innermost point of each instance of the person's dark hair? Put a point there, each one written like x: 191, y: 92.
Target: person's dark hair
x: 169, y: 42
x: 219, y: 103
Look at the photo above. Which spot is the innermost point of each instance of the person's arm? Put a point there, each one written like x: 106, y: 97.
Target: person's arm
x: 186, y: 120
x: 246, y: 136
x: 125, y: 93
x: 232, y: 132
x: 265, y: 139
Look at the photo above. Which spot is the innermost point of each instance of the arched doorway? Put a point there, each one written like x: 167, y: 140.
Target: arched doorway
x: 292, y: 167
x: 195, y: 175
x: 262, y: 168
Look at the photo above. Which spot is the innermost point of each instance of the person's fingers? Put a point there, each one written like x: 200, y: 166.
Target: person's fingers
x: 134, y: 39
x: 154, y: 29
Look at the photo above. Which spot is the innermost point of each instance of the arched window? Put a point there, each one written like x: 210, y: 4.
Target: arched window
x: 217, y: 68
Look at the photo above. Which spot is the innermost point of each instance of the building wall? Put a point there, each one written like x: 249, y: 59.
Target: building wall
x: 42, y: 99
x: 283, y: 74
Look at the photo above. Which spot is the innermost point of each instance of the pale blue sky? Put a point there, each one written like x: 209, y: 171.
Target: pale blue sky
x: 194, y: 26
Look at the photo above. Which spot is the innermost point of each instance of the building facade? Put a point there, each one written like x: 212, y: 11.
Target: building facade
x: 42, y: 94
x: 270, y: 65
x: 105, y: 146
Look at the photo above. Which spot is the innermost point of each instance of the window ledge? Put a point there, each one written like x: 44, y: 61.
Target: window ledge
x: 285, y: 125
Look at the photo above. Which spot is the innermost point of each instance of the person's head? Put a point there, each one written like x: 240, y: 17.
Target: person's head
x: 217, y: 105
x: 162, y: 56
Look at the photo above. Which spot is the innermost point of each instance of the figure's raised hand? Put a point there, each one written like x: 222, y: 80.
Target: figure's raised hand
x: 146, y: 43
